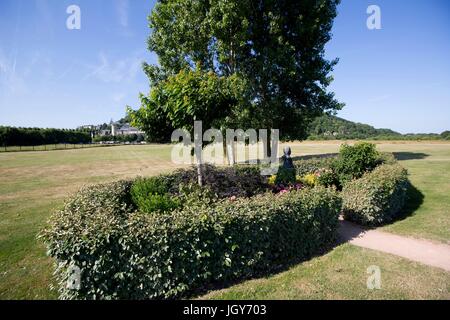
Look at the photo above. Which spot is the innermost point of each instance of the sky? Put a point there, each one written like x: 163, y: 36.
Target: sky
x: 396, y: 77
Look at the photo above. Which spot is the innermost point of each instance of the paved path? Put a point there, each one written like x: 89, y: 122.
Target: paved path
x: 424, y: 251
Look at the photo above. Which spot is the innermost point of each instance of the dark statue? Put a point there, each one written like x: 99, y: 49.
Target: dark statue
x: 286, y: 159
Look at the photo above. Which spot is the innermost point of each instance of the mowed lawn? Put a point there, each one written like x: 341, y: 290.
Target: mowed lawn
x: 33, y: 184
x: 428, y: 166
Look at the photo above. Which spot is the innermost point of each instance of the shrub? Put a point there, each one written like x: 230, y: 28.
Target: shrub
x: 307, y: 166
x: 132, y: 255
x: 250, y: 180
x: 377, y: 197
x: 327, y: 178
x: 152, y: 194
x: 354, y: 161
x: 192, y: 195
x: 320, y: 168
x: 350, y: 163
x: 240, y: 180
x: 386, y: 158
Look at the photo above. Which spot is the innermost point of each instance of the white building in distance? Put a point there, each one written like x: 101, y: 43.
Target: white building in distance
x: 124, y: 130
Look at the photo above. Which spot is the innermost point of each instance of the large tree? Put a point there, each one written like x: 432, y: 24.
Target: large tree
x: 275, y: 48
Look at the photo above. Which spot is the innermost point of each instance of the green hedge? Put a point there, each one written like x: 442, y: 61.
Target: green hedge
x: 351, y: 162
x: 11, y: 136
x: 312, y: 165
x: 377, y: 197
x: 124, y: 254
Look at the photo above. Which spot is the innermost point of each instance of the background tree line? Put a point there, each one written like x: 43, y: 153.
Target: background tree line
x: 11, y: 136
x: 328, y: 127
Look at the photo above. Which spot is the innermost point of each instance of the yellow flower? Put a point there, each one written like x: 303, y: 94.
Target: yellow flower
x: 272, y: 180
x: 310, y: 179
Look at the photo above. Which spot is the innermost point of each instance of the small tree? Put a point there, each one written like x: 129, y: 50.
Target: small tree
x: 182, y: 99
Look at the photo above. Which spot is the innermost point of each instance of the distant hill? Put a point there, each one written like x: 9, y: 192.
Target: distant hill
x: 328, y: 127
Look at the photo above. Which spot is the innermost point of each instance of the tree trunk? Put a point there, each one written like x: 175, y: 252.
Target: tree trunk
x: 200, y: 174
x: 198, y: 148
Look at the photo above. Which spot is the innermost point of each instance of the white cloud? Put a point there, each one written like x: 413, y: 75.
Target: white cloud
x: 122, y: 12
x: 120, y: 70
x: 11, y: 82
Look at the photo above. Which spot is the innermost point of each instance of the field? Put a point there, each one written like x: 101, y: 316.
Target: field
x: 32, y: 184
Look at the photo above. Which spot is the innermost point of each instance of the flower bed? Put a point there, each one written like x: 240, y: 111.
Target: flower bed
x: 165, y: 237
x: 128, y: 254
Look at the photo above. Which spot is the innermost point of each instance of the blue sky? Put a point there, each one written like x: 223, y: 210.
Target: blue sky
x: 397, y: 77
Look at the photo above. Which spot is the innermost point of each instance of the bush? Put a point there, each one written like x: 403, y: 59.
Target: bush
x: 132, y: 255
x: 192, y: 195
x: 386, y: 158
x: 152, y: 194
x: 308, y: 166
x: 377, y: 197
x: 327, y: 178
x: 170, y: 191
x: 320, y: 168
x: 239, y: 181
x: 354, y: 161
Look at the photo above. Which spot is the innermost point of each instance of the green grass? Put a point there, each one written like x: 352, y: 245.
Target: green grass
x: 428, y: 164
x: 342, y: 274
x: 32, y: 184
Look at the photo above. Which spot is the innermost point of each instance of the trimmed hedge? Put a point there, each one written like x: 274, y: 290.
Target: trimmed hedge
x: 351, y: 162
x: 124, y: 254
x: 307, y: 166
x: 11, y: 136
x: 377, y: 197
x: 239, y: 180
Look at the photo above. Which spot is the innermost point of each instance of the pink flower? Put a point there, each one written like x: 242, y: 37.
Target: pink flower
x: 298, y: 186
x: 284, y: 191
x: 233, y: 198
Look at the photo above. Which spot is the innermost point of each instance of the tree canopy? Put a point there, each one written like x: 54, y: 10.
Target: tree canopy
x: 269, y: 52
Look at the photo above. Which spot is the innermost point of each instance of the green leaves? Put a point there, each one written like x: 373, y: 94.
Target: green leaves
x: 152, y: 194
x: 354, y: 161
x: 275, y: 48
x: 133, y: 255
x: 185, y: 97
x: 377, y: 197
